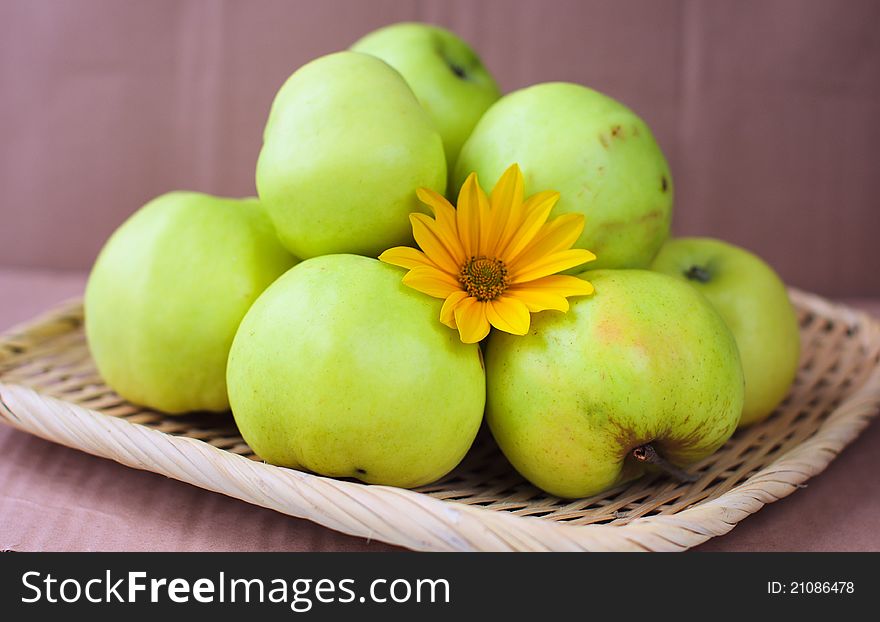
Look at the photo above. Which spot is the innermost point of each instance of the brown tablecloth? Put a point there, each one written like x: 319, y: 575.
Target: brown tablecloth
x: 55, y: 498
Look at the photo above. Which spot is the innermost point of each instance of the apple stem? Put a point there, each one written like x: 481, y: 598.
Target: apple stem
x: 646, y: 453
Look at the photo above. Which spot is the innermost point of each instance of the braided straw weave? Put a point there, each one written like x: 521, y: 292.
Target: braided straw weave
x: 49, y: 387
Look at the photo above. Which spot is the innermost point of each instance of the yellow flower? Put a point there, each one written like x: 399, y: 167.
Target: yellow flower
x: 493, y: 259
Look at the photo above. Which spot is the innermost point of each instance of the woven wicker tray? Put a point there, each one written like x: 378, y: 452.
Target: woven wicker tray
x: 49, y: 387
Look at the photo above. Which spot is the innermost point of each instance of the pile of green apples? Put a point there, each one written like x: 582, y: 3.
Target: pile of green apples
x: 277, y: 308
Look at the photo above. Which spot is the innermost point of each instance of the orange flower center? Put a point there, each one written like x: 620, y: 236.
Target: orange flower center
x: 484, y: 278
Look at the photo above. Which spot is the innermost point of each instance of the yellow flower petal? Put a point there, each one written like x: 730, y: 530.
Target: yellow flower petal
x: 551, y: 264
x: 431, y: 281
x: 430, y: 238
x: 447, y: 313
x: 563, y: 284
x: 509, y: 188
x: 436, y: 201
x: 472, y: 206
x: 557, y: 235
x: 406, y: 257
x: 508, y: 314
x: 537, y: 210
x: 505, y: 208
x: 539, y: 300
x: 445, y: 227
x: 550, y: 292
x: 470, y: 316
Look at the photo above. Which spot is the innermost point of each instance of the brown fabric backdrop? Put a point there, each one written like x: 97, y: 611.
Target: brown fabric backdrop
x: 767, y: 110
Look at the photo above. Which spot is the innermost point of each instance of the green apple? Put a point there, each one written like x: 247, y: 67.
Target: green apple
x: 644, y: 370
x: 168, y: 291
x: 443, y: 71
x: 593, y: 150
x: 345, y: 148
x: 754, y: 303
x: 342, y: 370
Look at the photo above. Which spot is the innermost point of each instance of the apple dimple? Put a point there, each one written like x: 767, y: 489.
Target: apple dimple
x: 698, y: 273
x: 456, y: 69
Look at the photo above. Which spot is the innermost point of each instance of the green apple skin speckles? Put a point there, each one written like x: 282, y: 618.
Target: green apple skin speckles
x: 645, y: 359
x: 754, y: 303
x: 598, y: 154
